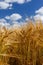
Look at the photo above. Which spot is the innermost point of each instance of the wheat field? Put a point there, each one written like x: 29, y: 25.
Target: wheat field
x: 22, y: 46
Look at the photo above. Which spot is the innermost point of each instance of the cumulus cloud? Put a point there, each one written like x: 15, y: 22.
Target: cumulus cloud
x: 38, y: 17
x: 39, y: 11
x: 27, y: 19
x: 7, y: 17
x: 39, y: 14
x: 20, y: 1
x: 13, y: 20
x: 3, y: 22
x: 17, y: 1
x: 4, y: 5
x: 16, y: 25
x: 14, y: 17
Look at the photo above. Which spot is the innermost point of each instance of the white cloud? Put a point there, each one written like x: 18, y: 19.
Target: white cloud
x: 16, y: 25
x: 39, y: 11
x: 10, y: 1
x: 4, y: 5
x: 27, y: 19
x: 3, y: 22
x: 7, y: 25
x: 7, y: 17
x: 38, y: 17
x: 39, y: 14
x: 18, y: 1
x: 14, y: 17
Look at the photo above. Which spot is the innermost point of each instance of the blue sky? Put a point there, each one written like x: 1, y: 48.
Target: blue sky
x: 24, y: 8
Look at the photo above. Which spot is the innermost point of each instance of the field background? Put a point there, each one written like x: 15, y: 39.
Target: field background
x: 22, y: 46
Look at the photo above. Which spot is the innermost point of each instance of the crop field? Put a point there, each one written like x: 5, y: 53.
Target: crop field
x: 22, y: 46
